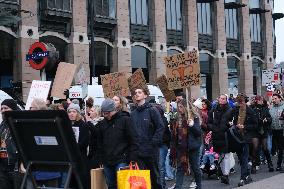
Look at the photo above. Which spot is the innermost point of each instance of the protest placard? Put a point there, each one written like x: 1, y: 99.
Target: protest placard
x: 39, y: 90
x: 63, y: 79
x: 137, y: 80
x: 115, y: 84
x: 162, y: 82
x: 183, y: 70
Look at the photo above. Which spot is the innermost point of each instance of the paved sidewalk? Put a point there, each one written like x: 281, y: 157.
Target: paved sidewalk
x: 275, y: 182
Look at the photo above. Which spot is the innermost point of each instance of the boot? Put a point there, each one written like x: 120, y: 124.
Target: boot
x: 270, y: 167
x: 225, y: 179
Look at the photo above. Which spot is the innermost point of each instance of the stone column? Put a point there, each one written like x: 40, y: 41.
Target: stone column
x: 191, y: 36
x: 122, y: 47
x: 268, y: 41
x: 220, y: 67
x: 159, y: 40
x: 245, y: 65
x: 78, y: 49
x: 28, y: 34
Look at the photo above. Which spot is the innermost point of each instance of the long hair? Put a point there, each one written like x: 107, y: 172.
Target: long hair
x: 123, y: 103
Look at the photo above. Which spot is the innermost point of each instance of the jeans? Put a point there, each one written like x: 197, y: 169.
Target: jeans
x: 208, y: 157
x: 151, y: 163
x: 269, y: 142
x: 194, y: 161
x: 169, y: 168
x: 162, y: 164
x: 278, y: 137
x: 110, y: 174
x: 243, y: 156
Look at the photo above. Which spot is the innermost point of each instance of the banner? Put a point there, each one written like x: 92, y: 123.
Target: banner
x: 39, y: 89
x: 183, y: 70
x: 115, y: 84
x: 63, y: 79
x: 162, y: 82
x: 137, y: 80
x: 271, y: 76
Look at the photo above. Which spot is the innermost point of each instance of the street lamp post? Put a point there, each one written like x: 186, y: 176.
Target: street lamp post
x: 92, y: 45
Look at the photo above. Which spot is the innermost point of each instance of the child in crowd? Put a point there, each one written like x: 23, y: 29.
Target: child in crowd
x: 209, y: 156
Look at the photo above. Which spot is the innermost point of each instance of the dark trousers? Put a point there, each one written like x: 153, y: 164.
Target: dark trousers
x: 243, y: 155
x: 9, y: 179
x: 152, y: 164
x: 278, y: 138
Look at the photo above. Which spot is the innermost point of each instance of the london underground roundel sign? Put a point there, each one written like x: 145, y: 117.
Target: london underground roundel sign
x: 38, y: 55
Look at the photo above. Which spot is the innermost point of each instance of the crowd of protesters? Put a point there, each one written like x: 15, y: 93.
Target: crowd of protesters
x: 187, y: 139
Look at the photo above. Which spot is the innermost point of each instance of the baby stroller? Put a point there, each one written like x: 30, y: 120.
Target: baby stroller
x: 210, y: 172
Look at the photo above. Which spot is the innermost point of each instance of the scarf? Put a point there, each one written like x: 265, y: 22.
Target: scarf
x: 179, y: 143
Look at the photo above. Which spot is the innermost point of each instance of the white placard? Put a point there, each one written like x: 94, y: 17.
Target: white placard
x: 271, y: 76
x: 76, y: 131
x: 39, y: 89
x: 81, y: 75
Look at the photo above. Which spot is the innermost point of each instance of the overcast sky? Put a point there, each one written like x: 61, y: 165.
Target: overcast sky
x: 279, y: 30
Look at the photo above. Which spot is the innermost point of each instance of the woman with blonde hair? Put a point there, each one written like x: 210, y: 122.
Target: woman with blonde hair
x: 186, y: 142
x: 38, y: 104
x: 121, y: 104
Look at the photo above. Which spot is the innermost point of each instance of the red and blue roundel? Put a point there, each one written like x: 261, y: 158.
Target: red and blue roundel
x: 37, y: 55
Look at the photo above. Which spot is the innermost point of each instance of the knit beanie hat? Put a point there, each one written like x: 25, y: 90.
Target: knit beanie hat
x: 11, y: 104
x: 108, y: 105
x: 74, y: 106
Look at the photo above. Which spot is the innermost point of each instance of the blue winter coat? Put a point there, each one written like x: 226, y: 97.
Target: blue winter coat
x: 149, y: 127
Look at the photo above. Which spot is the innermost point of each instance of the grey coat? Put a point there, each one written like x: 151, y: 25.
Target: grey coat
x: 276, y: 112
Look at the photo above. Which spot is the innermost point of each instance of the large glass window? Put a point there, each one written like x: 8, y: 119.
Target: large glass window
x: 139, y: 12
x: 174, y: 15
x: 233, y: 75
x: 106, y: 8
x: 140, y: 59
x: 231, y: 23
x: 59, y: 4
x: 204, y: 18
x: 255, y: 27
x: 254, y: 4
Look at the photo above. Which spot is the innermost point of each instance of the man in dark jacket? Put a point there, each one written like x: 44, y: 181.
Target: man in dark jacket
x: 218, y: 122
x: 149, y: 127
x: 9, y: 158
x: 246, y: 132
x: 116, y: 141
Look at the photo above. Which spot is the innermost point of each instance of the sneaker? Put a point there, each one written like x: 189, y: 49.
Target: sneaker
x: 225, y: 179
x: 248, y: 180
x: 232, y: 171
x: 212, y: 167
x: 193, y: 185
x: 202, y: 166
x: 257, y: 167
x: 279, y: 169
x: 168, y: 178
x: 245, y: 181
x: 241, y: 183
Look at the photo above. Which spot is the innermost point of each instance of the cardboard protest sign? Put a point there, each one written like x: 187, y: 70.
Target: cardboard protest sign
x: 183, y: 70
x: 40, y: 90
x: 271, y: 76
x: 162, y: 82
x: 63, y: 79
x: 137, y: 80
x: 115, y: 84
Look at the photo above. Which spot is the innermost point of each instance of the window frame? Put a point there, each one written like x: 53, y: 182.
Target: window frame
x: 232, y: 29
x: 142, y: 17
x: 59, y: 9
x: 105, y: 11
x: 174, y: 11
x: 208, y: 25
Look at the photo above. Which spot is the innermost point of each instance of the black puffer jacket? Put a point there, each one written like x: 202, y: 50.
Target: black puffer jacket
x: 116, y: 140
x: 84, y: 136
x: 218, y: 122
x: 262, y: 113
x: 250, y: 124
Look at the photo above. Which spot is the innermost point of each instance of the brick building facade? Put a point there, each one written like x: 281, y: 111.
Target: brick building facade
x: 235, y: 39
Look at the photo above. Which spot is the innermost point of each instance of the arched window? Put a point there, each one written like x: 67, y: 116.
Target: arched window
x: 140, y: 59
x: 103, y: 59
x: 233, y: 75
